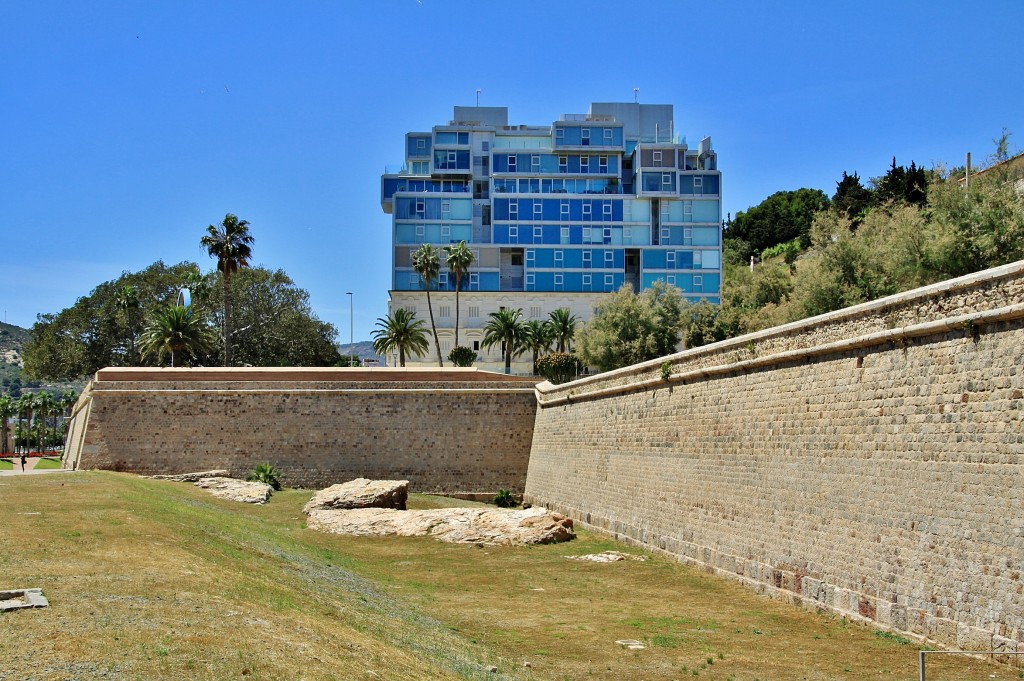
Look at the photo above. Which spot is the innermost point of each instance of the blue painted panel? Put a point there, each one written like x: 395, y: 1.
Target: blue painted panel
x: 620, y: 258
x: 654, y: 259
x: 684, y: 260
x: 705, y: 211
x: 711, y: 260
x: 499, y: 209
x: 544, y: 281
x: 572, y: 281
x: 411, y: 147
x: 501, y: 234
x: 552, y: 209
x: 706, y: 236
x: 648, y: 279
x: 675, y: 235
x: 544, y: 257
x: 576, y: 234
x: 575, y: 210
x: 573, y: 258
x: 711, y: 283
x: 406, y: 234
x: 500, y: 163
x: 489, y: 281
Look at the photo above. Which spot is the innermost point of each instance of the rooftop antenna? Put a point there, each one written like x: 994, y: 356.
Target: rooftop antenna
x: 636, y: 95
x: 478, y: 97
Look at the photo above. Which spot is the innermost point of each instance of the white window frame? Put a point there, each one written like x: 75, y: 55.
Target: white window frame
x: 559, y: 281
x: 671, y: 279
x: 531, y: 279
x: 538, y: 235
x: 606, y: 210
x: 609, y: 135
x: 446, y: 207
x: 627, y: 235
x: 420, y: 207
x: 666, y: 235
x: 559, y: 133
x: 585, y: 137
x: 421, y: 144
x: 666, y: 180
x: 588, y: 280
x: 538, y: 209
x: 513, y: 209
x: 442, y: 278
x: 474, y: 279
x: 531, y: 257
x: 588, y: 258
x: 698, y: 260
x: 563, y: 164
x: 586, y: 235
x: 670, y: 260
x: 609, y: 281
x: 564, y: 209
x: 698, y: 183
x: 606, y: 235
x: 535, y: 163
x: 565, y: 235
x: 559, y: 257
x: 512, y: 163
x: 609, y: 258
x: 513, y: 233
x: 584, y: 165
x: 588, y: 210
x: 421, y: 230
x: 414, y: 278
x: 687, y: 236
x: 452, y: 158
x: 698, y: 282
x: 657, y: 158
x: 602, y: 164
x: 446, y: 232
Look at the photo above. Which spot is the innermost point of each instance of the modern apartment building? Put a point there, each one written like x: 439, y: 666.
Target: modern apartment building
x: 556, y: 215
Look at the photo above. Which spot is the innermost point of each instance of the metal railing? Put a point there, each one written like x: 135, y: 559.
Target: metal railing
x: 921, y: 657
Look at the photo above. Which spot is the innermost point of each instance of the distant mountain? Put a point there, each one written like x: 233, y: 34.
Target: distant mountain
x: 12, y: 339
x: 362, y: 349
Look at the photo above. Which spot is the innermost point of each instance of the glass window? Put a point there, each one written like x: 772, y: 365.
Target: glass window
x: 513, y: 232
x: 420, y: 207
x: 666, y: 235
x: 535, y: 163
x: 563, y: 163
x: 538, y: 235
x: 687, y: 236
x: 474, y: 279
x: 452, y: 156
x: 414, y: 278
x: 587, y: 210
x: 442, y: 278
x: 531, y: 256
x: 609, y: 281
x: 666, y: 179
x: 559, y: 257
x: 697, y: 258
x: 530, y: 279
x: 657, y: 158
x: 420, y: 230
x: 538, y: 210
x: 671, y: 279
x: 463, y: 138
x: 627, y: 235
x: 607, y: 210
x: 559, y: 134
x: 587, y: 279
x: 559, y: 278
x: 609, y: 258
x: 446, y: 207
x: 585, y: 135
x: 608, y: 136
x: 698, y: 282
x: 607, y: 235
x: 512, y: 163
x: 565, y: 209
x: 421, y: 143
x: 564, y: 236
x: 584, y: 164
x: 670, y: 259
x: 588, y: 257
x: 602, y: 164
x: 446, y: 231
x: 513, y: 210
x: 586, y: 236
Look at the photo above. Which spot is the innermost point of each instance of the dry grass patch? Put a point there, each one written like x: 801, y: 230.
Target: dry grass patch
x: 153, y: 579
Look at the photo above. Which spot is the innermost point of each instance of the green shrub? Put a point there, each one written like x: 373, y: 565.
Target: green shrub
x: 505, y: 499
x: 666, y: 371
x: 559, y: 367
x: 265, y: 473
x: 461, y: 356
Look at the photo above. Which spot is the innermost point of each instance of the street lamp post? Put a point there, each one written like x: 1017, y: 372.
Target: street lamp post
x: 351, y: 329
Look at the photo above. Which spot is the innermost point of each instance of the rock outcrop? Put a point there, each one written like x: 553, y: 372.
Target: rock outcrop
x: 491, y: 526
x: 192, y: 477
x: 361, y: 493
x: 237, y: 490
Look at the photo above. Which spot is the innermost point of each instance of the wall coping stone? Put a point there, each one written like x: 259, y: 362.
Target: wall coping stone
x: 305, y: 374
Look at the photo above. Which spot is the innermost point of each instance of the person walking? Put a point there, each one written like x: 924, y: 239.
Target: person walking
x: 24, y: 460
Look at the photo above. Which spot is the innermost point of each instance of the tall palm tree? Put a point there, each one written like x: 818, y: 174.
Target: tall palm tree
x: 427, y: 264
x: 563, y: 327
x: 506, y: 329
x: 127, y: 300
x: 400, y: 331
x: 458, y: 260
x: 231, y: 244
x: 67, y: 401
x: 174, y: 331
x: 7, y: 410
x: 45, y: 405
x: 26, y: 407
x: 537, y: 338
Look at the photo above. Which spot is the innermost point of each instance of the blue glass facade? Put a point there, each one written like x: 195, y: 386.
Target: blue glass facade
x: 585, y: 204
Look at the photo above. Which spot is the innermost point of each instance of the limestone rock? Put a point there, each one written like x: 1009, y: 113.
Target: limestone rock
x: 192, y: 477
x: 607, y: 557
x: 361, y: 493
x: 237, y: 490
x: 491, y: 526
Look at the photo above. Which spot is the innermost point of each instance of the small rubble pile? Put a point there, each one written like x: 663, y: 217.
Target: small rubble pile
x: 192, y: 477
x: 607, y: 557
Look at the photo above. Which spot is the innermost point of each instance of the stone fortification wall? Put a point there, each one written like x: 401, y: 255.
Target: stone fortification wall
x: 444, y: 431
x: 867, y: 461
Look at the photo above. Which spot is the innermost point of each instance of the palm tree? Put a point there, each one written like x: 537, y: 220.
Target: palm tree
x: 7, y: 410
x: 563, y: 327
x: 505, y: 329
x: 67, y: 401
x: 231, y: 245
x: 459, y: 259
x: 45, y: 405
x: 427, y: 264
x: 400, y: 331
x: 537, y: 338
x: 175, y: 330
x: 127, y: 300
x: 26, y: 406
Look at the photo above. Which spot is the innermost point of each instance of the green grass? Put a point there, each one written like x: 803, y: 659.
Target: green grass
x: 48, y: 463
x: 150, y: 579
x: 6, y: 465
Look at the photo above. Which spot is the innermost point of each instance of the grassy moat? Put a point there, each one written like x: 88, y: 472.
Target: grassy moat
x: 151, y: 579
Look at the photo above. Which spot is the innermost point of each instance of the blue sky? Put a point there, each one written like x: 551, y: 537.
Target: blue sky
x: 126, y: 128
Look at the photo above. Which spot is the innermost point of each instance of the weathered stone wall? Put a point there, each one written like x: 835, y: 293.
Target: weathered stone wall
x: 451, y: 431
x: 868, y: 461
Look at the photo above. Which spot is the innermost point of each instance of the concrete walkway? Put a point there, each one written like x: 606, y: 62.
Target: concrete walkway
x: 30, y: 467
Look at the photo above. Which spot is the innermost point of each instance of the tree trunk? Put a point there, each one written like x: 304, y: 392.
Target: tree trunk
x: 437, y: 343
x: 174, y: 358
x: 458, y: 286
x: 508, y: 357
x: 401, y: 355
x: 227, y: 320
x: 535, y: 362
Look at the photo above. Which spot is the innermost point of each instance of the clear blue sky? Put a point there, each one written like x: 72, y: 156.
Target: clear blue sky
x: 126, y: 128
